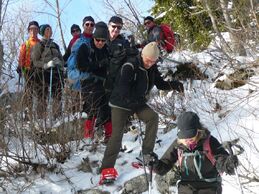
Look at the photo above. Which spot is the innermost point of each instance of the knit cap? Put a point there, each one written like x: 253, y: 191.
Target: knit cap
x: 88, y: 18
x: 116, y: 20
x: 74, y: 27
x: 43, y: 28
x: 101, y: 31
x: 149, y: 18
x: 188, y: 123
x: 33, y: 23
x: 151, y: 50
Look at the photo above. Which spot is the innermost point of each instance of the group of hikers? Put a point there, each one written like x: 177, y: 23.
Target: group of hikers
x: 114, y: 78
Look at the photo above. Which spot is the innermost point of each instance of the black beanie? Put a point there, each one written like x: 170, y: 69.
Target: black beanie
x: 149, y: 18
x: 33, y: 23
x: 88, y: 18
x: 43, y: 28
x: 101, y: 31
x: 116, y: 19
x: 74, y: 27
x: 188, y: 123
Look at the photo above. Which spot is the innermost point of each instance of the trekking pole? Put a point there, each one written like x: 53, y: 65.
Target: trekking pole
x: 141, y: 152
x: 228, y: 145
x: 50, y: 95
x: 150, y: 179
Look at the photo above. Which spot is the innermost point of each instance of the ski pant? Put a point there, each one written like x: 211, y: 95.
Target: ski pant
x: 27, y: 99
x: 119, y: 119
x: 41, y: 87
x: 95, y: 100
x: 212, y: 188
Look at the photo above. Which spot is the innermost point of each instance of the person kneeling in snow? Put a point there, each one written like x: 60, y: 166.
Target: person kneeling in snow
x: 134, y: 81
x: 201, y: 158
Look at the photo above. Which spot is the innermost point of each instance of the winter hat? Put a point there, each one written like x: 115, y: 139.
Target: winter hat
x: 188, y: 123
x: 151, y: 50
x: 74, y: 27
x: 149, y: 18
x: 88, y: 18
x: 43, y: 28
x: 116, y: 19
x: 101, y: 31
x: 33, y: 23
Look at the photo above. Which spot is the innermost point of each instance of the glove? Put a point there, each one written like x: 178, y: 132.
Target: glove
x: 230, y: 164
x: 57, y: 61
x: 153, y: 159
x: 178, y: 86
x: 19, y: 71
x: 49, y: 64
x: 104, y: 63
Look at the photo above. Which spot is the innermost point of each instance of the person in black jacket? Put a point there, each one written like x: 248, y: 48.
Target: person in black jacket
x: 134, y: 81
x: 117, y: 46
x: 201, y: 158
x: 95, y: 60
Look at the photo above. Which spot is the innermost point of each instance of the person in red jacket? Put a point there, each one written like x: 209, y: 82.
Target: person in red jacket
x: 75, y: 32
x: 25, y: 64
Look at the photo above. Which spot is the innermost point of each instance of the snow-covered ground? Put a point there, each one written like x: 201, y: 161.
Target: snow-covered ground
x: 236, y: 118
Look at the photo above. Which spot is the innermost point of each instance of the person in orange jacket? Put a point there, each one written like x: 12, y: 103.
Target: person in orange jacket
x: 25, y: 64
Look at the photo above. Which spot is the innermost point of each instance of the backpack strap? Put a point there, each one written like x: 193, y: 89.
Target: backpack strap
x: 208, y: 152
x: 197, y: 158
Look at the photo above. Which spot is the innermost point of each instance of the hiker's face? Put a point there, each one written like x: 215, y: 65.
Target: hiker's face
x: 48, y: 33
x: 114, y: 30
x: 99, y: 42
x: 148, y: 61
x: 33, y: 31
x: 148, y: 24
x: 88, y: 27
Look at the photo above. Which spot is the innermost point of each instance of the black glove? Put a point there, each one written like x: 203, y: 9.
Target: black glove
x: 153, y: 159
x: 230, y: 164
x: 104, y: 63
x: 19, y: 71
x: 178, y: 86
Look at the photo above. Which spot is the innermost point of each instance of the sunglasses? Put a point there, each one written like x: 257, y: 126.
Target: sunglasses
x: 118, y: 27
x: 89, y: 24
x: 100, y: 40
x: 147, y: 23
x: 76, y: 30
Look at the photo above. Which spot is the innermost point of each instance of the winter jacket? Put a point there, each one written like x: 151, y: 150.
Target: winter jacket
x: 117, y: 54
x: 134, y: 82
x: 25, y: 52
x: 71, y: 43
x: 188, y: 173
x: 154, y: 34
x: 45, y: 51
x: 93, y: 60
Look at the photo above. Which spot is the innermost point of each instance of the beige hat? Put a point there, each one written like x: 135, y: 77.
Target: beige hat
x: 151, y: 50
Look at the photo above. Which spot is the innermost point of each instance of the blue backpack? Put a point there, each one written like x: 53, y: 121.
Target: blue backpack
x: 73, y: 74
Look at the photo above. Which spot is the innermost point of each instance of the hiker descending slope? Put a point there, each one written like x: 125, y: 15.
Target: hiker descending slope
x: 48, y: 63
x: 94, y: 59
x: 200, y: 156
x: 134, y: 81
x: 25, y: 67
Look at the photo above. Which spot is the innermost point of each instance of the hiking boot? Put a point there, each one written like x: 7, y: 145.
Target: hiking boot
x: 108, y: 176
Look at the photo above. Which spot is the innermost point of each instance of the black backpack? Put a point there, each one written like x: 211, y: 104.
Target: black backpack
x: 123, y: 56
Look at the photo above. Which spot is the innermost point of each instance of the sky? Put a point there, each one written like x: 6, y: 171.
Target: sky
x: 76, y: 10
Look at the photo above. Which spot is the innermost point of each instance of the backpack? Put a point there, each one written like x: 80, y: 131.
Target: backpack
x: 206, y: 151
x: 125, y: 55
x: 168, y: 38
x: 73, y: 74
